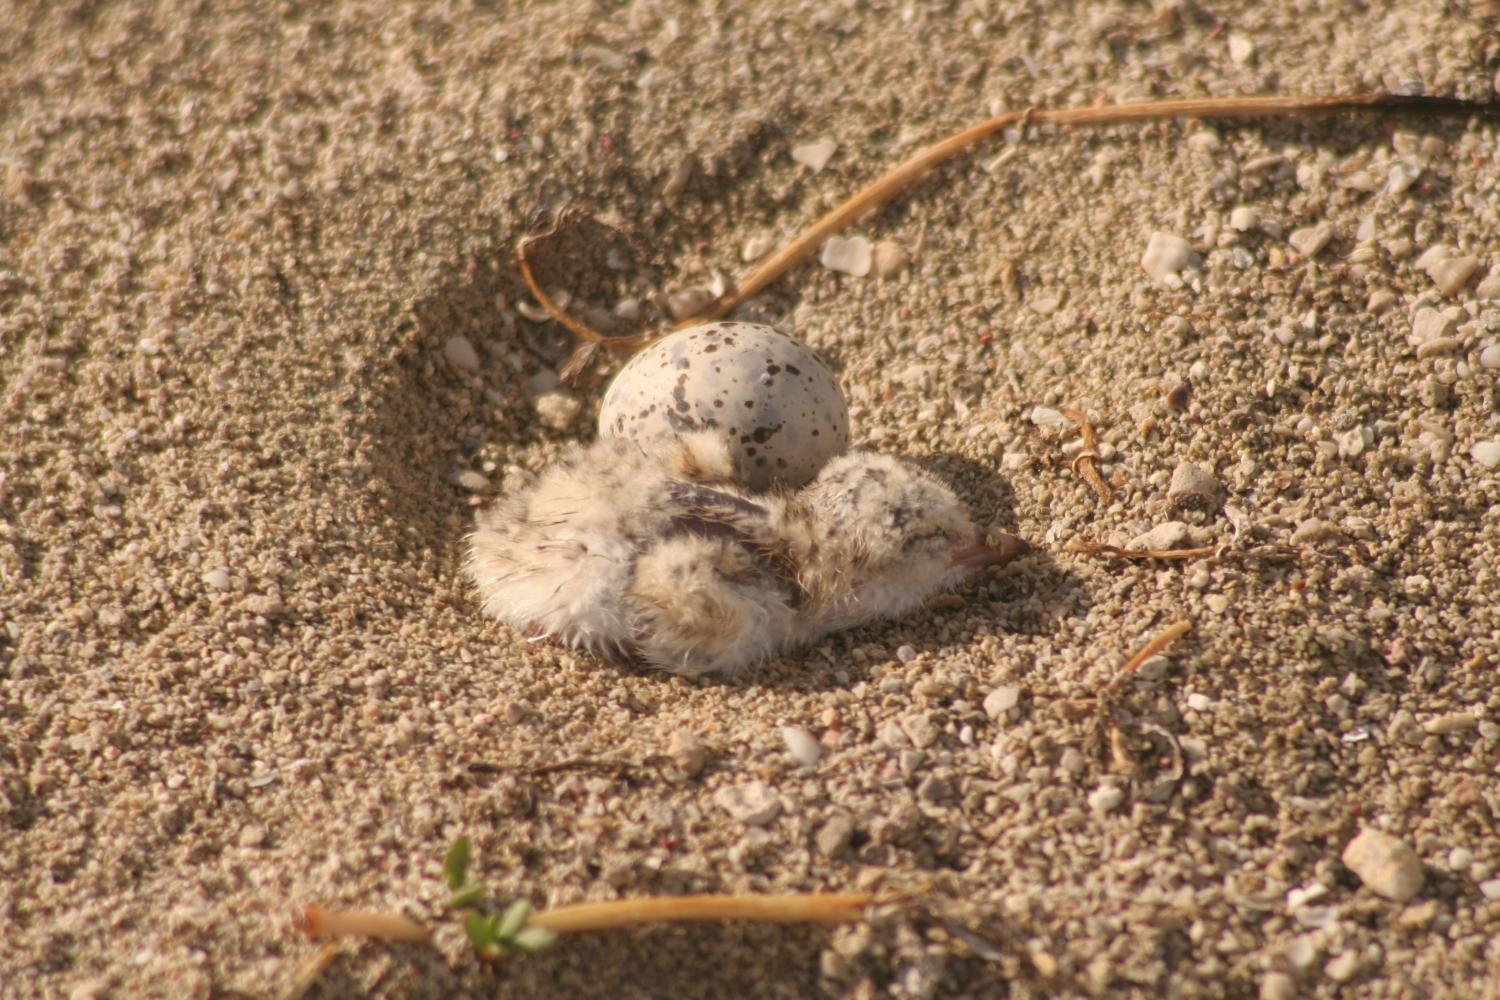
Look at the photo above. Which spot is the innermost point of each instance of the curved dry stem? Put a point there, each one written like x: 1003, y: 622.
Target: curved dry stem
x: 823, y: 908
x: 911, y: 170
x: 318, y: 922
x: 1168, y: 636
x: 907, y: 173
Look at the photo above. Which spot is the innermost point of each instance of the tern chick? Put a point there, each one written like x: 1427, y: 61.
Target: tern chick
x: 649, y: 551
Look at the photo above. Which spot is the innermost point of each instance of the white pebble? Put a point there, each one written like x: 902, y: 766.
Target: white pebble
x: 906, y: 652
x: 1453, y: 722
x: 1277, y: 986
x: 1243, y: 219
x: 1490, y: 357
x: 850, y: 255
x: 1344, y: 967
x: 1384, y: 864
x: 757, y: 247
x: 1429, y: 324
x: 1199, y: 702
x: 1309, y: 241
x: 1104, y: 799
x: 1452, y: 274
x: 216, y: 579
x: 816, y: 154
x: 805, y: 749
x: 889, y: 259
x: 472, y: 481
x: 1166, y: 255
x: 461, y: 354
x: 557, y: 409
x: 1486, y: 453
x: 754, y: 803
x: 1190, y: 479
x: 687, y: 752
x: 1241, y: 48
x: 689, y: 302
x: 1490, y: 889
x: 1163, y: 537
x: 1001, y: 700
x: 1046, y: 416
x: 1489, y: 286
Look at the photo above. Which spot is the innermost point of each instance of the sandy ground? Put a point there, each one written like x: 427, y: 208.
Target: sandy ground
x: 239, y: 666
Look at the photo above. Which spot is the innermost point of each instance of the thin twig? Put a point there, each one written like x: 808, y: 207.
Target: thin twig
x: 897, y: 180
x: 308, y: 974
x: 1083, y: 464
x: 1088, y: 548
x: 1168, y: 636
x: 825, y: 908
x: 318, y: 922
x: 893, y: 183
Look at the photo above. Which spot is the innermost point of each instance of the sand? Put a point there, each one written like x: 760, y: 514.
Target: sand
x: 240, y: 669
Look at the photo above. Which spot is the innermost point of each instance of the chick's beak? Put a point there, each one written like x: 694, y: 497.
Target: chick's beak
x: 979, y: 555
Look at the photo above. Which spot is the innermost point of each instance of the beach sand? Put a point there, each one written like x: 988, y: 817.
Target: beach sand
x: 240, y: 450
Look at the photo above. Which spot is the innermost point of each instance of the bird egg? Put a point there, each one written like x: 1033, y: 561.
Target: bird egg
x: 774, y: 400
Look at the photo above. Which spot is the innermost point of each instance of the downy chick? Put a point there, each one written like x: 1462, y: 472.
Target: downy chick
x: 650, y: 551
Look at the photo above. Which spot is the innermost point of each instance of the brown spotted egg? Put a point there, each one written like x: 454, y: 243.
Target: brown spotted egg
x: 776, y: 402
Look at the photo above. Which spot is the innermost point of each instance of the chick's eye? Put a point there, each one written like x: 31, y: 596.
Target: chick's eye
x: 899, y: 515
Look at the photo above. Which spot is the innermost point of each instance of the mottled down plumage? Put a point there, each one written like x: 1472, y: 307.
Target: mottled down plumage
x: 650, y: 551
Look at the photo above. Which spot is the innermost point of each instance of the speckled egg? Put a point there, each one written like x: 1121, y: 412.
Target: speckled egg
x: 775, y: 400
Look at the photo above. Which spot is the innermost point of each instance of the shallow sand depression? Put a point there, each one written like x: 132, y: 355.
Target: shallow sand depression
x: 240, y: 450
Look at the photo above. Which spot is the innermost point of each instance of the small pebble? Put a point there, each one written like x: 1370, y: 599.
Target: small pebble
x: 1344, y: 967
x: 1459, y: 859
x: 1490, y: 889
x: 461, y: 354
x: 906, y: 653
x: 1277, y: 986
x: 558, y: 409
x: 1438, y: 346
x: 216, y: 579
x: 832, y: 838
x: 754, y: 803
x: 1311, y: 530
x: 1166, y: 536
x: 1241, y: 48
x: 851, y: 255
x: 1486, y: 453
x: 1452, y: 274
x: 1489, y: 286
x: 1453, y: 722
x: 472, y: 481
x: 1001, y: 700
x: 1105, y: 799
x: 1243, y: 219
x: 804, y: 749
x: 889, y: 259
x: 1046, y: 416
x: 688, y: 302
x: 1199, y: 702
x: 1309, y: 241
x: 686, y: 752
x: 252, y: 836
x: 1490, y: 357
x: 1429, y: 324
x: 1166, y: 256
x: 757, y: 247
x: 816, y: 154
x: 1192, y: 483
x: 1384, y: 864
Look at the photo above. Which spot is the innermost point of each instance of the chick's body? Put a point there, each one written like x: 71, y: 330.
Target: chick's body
x: 647, y: 550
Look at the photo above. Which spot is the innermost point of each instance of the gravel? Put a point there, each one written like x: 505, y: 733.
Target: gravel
x: 237, y: 242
